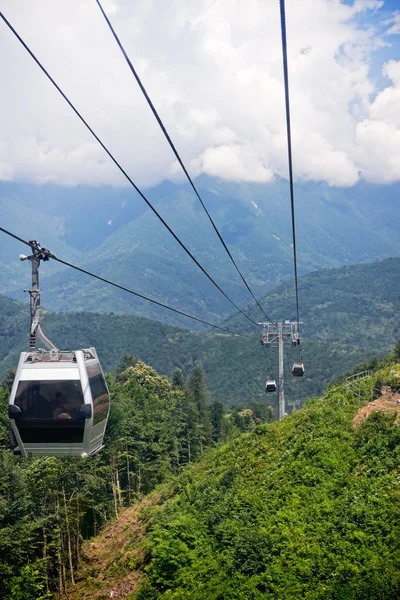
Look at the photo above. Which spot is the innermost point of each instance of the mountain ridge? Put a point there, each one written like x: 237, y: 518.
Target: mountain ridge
x: 119, y: 237
x: 365, y: 292
x: 237, y: 367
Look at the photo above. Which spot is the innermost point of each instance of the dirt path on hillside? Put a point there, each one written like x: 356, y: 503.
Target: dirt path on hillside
x: 110, y: 567
x: 388, y: 402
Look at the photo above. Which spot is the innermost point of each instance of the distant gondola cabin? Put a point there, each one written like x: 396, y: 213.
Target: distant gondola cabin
x: 298, y: 370
x: 270, y: 385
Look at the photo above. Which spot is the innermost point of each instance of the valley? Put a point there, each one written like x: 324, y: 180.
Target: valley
x: 110, y: 233
x: 351, y: 313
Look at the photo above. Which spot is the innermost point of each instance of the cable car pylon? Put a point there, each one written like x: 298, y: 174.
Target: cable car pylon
x: 279, y: 334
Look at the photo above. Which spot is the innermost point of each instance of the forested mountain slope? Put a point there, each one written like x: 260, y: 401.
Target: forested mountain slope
x: 49, y: 504
x: 349, y: 314
x: 302, y: 508
x: 236, y: 366
x: 111, y: 232
x: 356, y: 304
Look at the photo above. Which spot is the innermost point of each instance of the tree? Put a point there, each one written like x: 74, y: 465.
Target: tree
x: 192, y: 432
x: 196, y: 389
x: 4, y: 421
x: 31, y: 584
x: 217, y: 416
x: 177, y: 378
x: 128, y: 360
x: 8, y: 380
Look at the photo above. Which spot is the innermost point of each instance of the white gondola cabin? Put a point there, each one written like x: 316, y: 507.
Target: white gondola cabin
x: 270, y: 386
x: 59, y: 403
x: 298, y: 369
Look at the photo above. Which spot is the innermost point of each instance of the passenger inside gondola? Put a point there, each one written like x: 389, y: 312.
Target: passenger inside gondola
x: 50, y: 411
x: 47, y: 399
x: 61, y: 410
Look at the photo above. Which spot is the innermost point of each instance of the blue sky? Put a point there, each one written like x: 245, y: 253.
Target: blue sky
x: 377, y: 19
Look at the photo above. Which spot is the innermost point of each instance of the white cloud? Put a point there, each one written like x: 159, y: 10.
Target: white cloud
x: 378, y: 136
x: 214, y: 71
x: 234, y: 162
x: 394, y: 21
x: 109, y: 7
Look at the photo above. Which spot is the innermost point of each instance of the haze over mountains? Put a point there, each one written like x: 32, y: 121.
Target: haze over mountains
x: 350, y: 314
x: 112, y: 233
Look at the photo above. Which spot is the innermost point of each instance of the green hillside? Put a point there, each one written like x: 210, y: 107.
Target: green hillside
x: 236, y: 366
x: 349, y: 314
x: 307, y: 507
x: 358, y: 304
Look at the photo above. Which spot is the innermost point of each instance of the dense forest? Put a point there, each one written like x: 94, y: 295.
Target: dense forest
x: 236, y: 366
x: 307, y: 507
x: 350, y: 314
x: 357, y: 304
x: 48, y: 506
x: 258, y: 507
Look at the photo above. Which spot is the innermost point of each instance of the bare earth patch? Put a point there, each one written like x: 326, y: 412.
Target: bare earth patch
x: 110, y: 567
x: 388, y: 402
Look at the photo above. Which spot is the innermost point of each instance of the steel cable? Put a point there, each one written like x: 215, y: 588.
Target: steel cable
x: 175, y: 151
x: 37, y: 61
x: 289, y: 144
x: 117, y: 285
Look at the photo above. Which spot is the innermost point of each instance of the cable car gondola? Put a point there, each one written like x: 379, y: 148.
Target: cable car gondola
x: 59, y: 401
x: 298, y: 369
x: 270, y: 385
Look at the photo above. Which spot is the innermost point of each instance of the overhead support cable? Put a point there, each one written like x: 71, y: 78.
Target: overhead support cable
x: 117, y: 285
x: 78, y: 114
x: 175, y: 151
x: 289, y: 144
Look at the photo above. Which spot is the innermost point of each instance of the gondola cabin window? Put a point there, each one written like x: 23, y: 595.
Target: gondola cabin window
x: 49, y: 399
x: 99, y: 392
x: 50, y: 411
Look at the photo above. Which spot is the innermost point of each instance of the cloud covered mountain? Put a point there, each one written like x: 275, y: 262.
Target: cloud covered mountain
x: 111, y: 232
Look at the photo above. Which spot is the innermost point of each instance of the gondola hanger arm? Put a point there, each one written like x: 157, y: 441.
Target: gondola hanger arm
x: 38, y: 254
